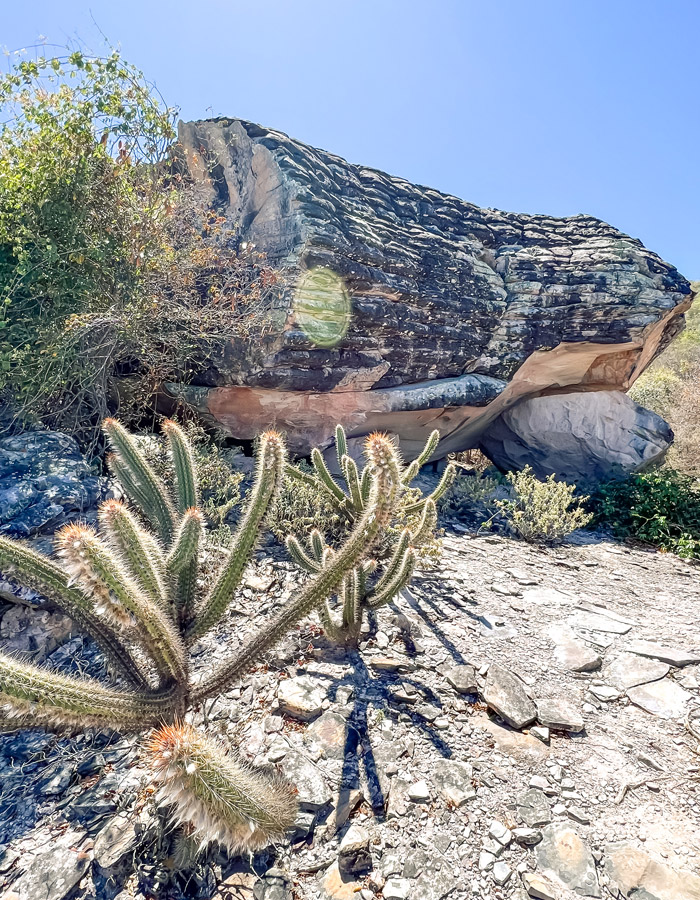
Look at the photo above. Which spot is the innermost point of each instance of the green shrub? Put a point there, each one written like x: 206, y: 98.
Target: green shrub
x: 659, y: 507
x: 470, y: 496
x: 542, y: 511
x: 304, y: 505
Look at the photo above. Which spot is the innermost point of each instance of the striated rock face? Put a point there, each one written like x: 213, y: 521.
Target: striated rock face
x: 578, y: 436
x: 455, y: 313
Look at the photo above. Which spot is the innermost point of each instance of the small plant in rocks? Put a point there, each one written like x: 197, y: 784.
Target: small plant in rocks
x: 542, y: 511
x: 410, y: 532
x: 134, y: 587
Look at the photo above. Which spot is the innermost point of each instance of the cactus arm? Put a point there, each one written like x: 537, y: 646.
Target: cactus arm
x: 151, y: 495
x: 341, y: 445
x: 333, y: 631
x: 353, y: 481
x: 444, y: 483
x: 391, y: 589
x: 297, y: 474
x: 183, y: 466
x: 427, y: 524
x: 317, y: 544
x: 48, y: 698
x: 351, y: 604
x: 268, y: 480
x: 365, y: 485
x: 137, y: 547
x: 224, y: 798
x: 42, y: 575
x: 360, y: 541
x: 300, y: 557
x: 414, y: 468
x: 90, y: 561
x: 325, y: 478
x: 185, y: 546
x: 395, y: 562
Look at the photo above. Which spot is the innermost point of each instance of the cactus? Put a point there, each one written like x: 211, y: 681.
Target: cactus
x: 376, y: 581
x: 137, y: 594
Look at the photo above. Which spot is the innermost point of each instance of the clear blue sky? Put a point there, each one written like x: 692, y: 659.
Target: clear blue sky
x: 552, y: 106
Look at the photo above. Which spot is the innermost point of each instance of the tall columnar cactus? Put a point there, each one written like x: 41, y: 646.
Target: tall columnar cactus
x: 376, y: 579
x: 134, y: 588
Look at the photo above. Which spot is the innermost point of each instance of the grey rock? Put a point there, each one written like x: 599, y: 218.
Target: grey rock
x: 44, y: 480
x: 664, y: 698
x: 329, y: 732
x: 675, y: 656
x: 115, y: 841
x: 559, y: 714
x: 419, y: 792
x: 505, y: 693
x: 53, y: 871
x: 628, y: 670
x: 453, y: 780
x: 595, y: 621
x: 637, y: 875
x: 396, y: 889
x: 528, y: 837
x: 579, y: 437
x: 33, y: 634
x: 563, y: 856
x: 539, y: 887
x: 301, y: 697
x: 313, y: 792
x: 501, y: 872
x: 533, y: 808
x: 572, y: 299
x: 463, y: 679
x: 572, y: 653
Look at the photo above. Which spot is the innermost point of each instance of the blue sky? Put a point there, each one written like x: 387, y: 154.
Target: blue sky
x: 527, y: 105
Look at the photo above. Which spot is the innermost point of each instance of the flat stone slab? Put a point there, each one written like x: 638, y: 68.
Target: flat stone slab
x: 629, y: 670
x: 523, y: 747
x: 665, y: 698
x: 560, y: 714
x: 564, y: 857
x: 547, y: 597
x: 54, y: 870
x: 329, y: 732
x: 505, y: 693
x: 637, y: 875
x: 462, y: 679
x: 674, y: 656
x: 453, y: 780
x: 302, y: 698
x: 312, y: 790
x: 592, y: 621
x: 533, y: 808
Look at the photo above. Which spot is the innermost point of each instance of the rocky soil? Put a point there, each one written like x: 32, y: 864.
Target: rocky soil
x: 410, y: 786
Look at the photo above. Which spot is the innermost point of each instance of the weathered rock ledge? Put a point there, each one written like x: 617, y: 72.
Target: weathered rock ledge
x: 439, y: 289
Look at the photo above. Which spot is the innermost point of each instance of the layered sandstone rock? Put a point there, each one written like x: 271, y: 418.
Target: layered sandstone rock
x: 456, y: 313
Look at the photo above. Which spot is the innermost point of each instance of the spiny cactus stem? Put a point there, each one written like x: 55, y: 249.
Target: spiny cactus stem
x: 300, y: 557
x: 427, y: 524
x: 267, y: 483
x: 221, y: 796
x: 341, y: 445
x: 430, y: 447
x: 157, y: 506
x: 45, y: 577
x: 444, y: 483
x: 185, y: 546
x: 353, y: 481
x: 90, y: 560
x: 317, y: 544
x: 297, y: 474
x: 137, y: 547
x: 351, y: 599
x: 396, y: 560
x: 324, y: 585
x: 400, y: 580
x: 55, y: 699
x: 326, y: 479
x: 183, y: 466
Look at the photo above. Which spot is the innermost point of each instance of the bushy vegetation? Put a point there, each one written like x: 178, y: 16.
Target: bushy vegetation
x: 660, y: 507
x: 470, y: 497
x: 542, y: 511
x: 109, y: 262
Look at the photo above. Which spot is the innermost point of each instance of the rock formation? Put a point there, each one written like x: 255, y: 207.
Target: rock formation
x: 592, y: 435
x: 455, y: 313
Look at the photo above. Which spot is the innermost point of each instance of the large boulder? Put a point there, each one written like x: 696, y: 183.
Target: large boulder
x: 579, y: 437
x: 444, y: 314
